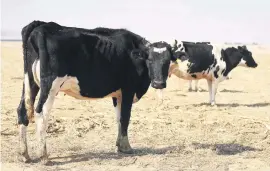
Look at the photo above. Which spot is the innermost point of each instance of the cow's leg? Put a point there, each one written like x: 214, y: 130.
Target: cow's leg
x: 49, y: 87
x: 25, y: 112
x: 122, y: 140
x: 229, y: 76
x: 196, y: 85
x: 117, y: 107
x: 190, y: 85
x: 214, y: 92
x: 210, y: 90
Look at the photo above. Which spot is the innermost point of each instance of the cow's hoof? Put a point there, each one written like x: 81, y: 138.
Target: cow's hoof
x: 24, y: 158
x: 190, y: 89
x: 213, y: 104
x: 199, y: 89
x: 44, y: 160
x: 125, y: 151
x: 123, y: 145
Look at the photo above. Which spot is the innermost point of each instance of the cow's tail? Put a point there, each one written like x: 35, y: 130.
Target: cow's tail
x: 28, y: 74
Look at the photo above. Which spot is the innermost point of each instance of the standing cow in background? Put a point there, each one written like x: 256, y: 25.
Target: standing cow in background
x: 196, y: 88
x: 204, y: 61
x: 87, y: 64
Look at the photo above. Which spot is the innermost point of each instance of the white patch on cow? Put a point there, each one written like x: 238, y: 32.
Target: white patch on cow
x: 23, y: 140
x: 182, y: 69
x: 181, y: 47
x: 118, y: 111
x: 242, y: 63
x: 159, y: 50
x: 27, y: 98
x: 36, y: 71
x: 135, y: 98
x: 71, y: 87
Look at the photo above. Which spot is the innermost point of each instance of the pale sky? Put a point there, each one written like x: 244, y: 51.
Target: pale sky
x: 189, y: 20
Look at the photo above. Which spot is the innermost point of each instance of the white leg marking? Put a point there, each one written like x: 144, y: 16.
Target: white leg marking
x: 118, y: 117
x: 27, y: 95
x: 210, y: 90
x: 23, y: 142
x: 42, y: 118
x: 214, y: 91
x: 196, y: 85
x: 122, y: 142
x: 190, y: 85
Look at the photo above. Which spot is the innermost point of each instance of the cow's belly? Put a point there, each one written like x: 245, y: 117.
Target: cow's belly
x: 181, y: 71
x: 71, y: 86
x: 197, y: 76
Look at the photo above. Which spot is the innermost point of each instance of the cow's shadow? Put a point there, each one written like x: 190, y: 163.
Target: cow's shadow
x: 109, y: 155
x: 222, y: 91
x: 219, y: 149
x: 225, y: 149
x: 261, y: 104
x: 232, y: 91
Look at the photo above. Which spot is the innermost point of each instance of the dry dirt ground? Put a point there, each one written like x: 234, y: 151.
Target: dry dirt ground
x: 184, y: 133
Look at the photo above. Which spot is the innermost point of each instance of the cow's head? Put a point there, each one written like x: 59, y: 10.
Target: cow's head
x: 157, y: 57
x: 160, y: 56
x: 247, y: 58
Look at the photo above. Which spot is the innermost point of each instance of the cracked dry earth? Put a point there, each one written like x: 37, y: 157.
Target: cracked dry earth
x: 184, y: 133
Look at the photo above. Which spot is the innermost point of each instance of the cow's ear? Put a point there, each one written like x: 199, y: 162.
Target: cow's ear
x: 241, y: 48
x: 180, y: 55
x: 173, y: 57
x: 223, y: 54
x: 138, y: 54
x: 174, y: 45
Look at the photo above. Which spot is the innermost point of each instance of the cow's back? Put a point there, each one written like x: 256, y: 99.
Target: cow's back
x: 200, y: 56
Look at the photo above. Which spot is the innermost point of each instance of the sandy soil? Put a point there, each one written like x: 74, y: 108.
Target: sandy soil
x: 184, y: 133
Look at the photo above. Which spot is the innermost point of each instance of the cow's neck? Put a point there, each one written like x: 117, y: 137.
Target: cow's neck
x: 232, y: 59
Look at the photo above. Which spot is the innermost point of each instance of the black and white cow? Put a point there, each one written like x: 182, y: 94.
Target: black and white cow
x: 196, y: 81
x: 87, y: 64
x: 205, y: 61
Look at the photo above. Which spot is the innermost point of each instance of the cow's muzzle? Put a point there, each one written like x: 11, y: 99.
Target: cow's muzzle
x: 158, y: 84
